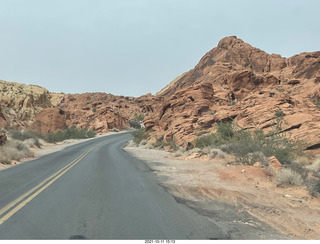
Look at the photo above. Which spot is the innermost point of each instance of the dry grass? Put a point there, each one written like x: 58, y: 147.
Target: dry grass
x: 13, y: 150
x: 287, y: 177
x: 315, y: 166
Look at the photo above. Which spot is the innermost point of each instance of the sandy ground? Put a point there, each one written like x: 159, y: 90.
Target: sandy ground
x: 48, y: 148
x: 198, y: 183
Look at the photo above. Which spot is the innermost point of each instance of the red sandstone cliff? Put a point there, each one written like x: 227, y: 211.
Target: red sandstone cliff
x: 236, y: 81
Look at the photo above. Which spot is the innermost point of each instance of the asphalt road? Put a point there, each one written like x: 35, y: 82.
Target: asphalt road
x: 93, y: 190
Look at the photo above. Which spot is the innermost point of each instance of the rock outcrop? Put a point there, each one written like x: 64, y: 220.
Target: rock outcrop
x: 33, y: 107
x: 99, y: 111
x: 236, y: 81
x: 22, y: 103
x: 4, y: 120
x: 49, y: 120
x: 233, y: 81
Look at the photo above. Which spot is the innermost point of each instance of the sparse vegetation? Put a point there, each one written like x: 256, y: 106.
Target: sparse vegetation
x: 249, y: 147
x: 279, y: 113
x: 134, y: 123
x: 69, y: 133
x: 139, y: 117
x: 19, y: 142
x: 13, y: 150
x: 31, y: 137
x: 313, y: 186
x: 139, y: 135
x: 287, y: 177
x: 315, y: 166
x: 316, y: 101
x: 216, y: 153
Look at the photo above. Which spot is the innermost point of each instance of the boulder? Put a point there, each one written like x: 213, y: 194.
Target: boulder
x: 49, y: 120
x: 274, y: 163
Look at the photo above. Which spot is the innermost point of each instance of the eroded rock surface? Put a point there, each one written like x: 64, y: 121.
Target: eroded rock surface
x: 236, y: 81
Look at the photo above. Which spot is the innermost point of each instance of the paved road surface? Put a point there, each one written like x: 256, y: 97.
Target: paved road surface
x: 93, y: 190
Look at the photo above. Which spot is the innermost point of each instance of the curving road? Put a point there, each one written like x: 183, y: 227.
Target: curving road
x: 93, y: 190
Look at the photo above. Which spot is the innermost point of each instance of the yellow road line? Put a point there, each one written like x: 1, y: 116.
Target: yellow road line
x: 47, y: 182
x: 10, y: 205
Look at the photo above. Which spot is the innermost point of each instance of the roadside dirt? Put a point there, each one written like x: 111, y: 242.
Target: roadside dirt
x: 201, y: 184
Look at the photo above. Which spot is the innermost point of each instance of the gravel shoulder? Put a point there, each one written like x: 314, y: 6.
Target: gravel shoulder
x: 248, y: 204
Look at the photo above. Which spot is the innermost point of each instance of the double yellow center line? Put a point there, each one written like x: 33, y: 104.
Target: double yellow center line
x: 21, y: 201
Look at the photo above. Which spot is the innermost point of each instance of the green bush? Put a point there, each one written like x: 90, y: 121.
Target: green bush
x: 134, y: 123
x: 139, y: 117
x: 23, y: 135
x: 206, y: 140
x: 139, y: 135
x: 249, y: 146
x: 69, y: 133
x: 313, y: 187
x: 4, y: 160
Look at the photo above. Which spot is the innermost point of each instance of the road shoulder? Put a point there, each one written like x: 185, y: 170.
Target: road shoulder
x: 245, y: 202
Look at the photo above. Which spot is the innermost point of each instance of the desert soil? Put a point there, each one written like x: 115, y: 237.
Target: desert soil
x: 204, y: 185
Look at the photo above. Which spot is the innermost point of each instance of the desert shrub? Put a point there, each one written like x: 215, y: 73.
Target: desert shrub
x: 134, y: 123
x: 286, y: 177
x: 313, y: 187
x: 257, y: 157
x: 139, y: 117
x: 207, y: 140
x: 161, y: 143
x: 279, y: 113
x: 216, y: 153
x: 69, y: 133
x: 180, y: 152
x: 315, y: 166
x: 23, y: 135
x: 249, y: 146
x: 14, y: 150
x: 4, y: 160
x: 172, y: 144
x: 202, y: 132
x: 139, y: 135
x: 298, y: 168
x: 32, y: 142
x: 302, y: 160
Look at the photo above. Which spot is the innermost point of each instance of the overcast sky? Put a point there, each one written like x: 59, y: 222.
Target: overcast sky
x: 131, y: 47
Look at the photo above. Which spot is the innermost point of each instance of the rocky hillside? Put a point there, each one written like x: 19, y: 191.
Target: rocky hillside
x: 98, y: 111
x: 235, y: 81
x: 21, y: 103
x: 35, y: 108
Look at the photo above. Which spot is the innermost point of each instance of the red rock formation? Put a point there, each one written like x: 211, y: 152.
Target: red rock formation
x: 236, y: 81
x: 4, y: 120
x: 99, y: 111
x: 49, y: 120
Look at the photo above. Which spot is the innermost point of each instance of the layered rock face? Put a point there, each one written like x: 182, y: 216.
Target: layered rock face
x: 34, y: 108
x: 21, y: 103
x: 49, y: 120
x: 236, y: 81
x: 4, y: 120
x: 98, y: 111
